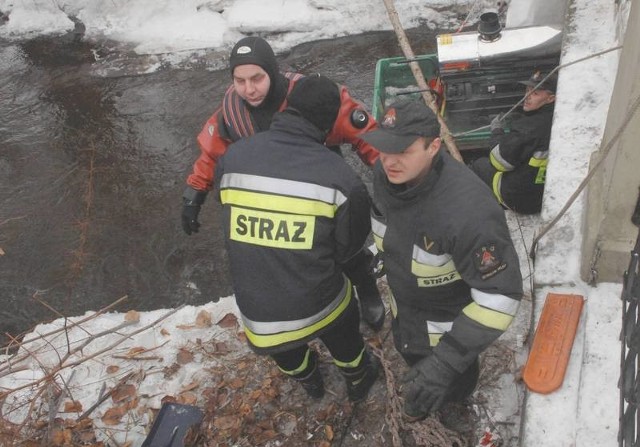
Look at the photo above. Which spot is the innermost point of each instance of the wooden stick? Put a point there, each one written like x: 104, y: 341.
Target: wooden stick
x: 419, y: 76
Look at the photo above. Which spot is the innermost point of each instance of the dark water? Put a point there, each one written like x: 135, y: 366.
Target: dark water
x: 92, y: 171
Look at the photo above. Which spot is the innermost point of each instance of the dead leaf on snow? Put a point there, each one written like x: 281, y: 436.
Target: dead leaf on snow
x: 61, y: 437
x: 265, y: 436
x: 227, y: 422
x: 135, y: 351
x: 187, y: 398
x: 221, y: 347
x: 184, y: 356
x: 165, y: 332
x: 203, y: 319
x: 122, y: 392
x: 72, y: 406
x: 191, y: 386
x: 86, y: 437
x: 111, y: 369
x: 328, y: 431
x: 228, y: 321
x: 237, y: 383
x: 133, y: 316
x: 168, y: 398
x: 113, y: 415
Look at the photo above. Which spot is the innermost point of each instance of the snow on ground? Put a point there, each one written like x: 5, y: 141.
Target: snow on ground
x: 170, y: 26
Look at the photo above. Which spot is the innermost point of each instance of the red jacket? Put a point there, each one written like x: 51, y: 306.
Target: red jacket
x: 214, y: 141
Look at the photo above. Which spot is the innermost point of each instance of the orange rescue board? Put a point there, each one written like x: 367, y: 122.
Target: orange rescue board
x: 549, y: 356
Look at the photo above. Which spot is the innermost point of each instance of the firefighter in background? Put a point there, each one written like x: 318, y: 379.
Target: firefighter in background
x: 293, y: 214
x: 517, y: 164
x: 452, y: 269
x: 258, y: 91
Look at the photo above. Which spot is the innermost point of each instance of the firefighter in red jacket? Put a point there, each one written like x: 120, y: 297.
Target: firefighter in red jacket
x: 258, y: 91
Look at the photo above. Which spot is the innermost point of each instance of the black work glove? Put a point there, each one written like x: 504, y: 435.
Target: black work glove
x: 497, y: 124
x: 192, y: 200
x: 426, y: 385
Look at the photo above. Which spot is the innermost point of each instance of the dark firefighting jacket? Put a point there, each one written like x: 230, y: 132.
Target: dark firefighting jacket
x: 449, y: 260
x: 293, y: 212
x: 520, y: 160
x: 234, y: 120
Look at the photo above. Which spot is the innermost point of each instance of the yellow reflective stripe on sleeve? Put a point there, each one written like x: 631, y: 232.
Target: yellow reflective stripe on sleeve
x: 495, y: 301
x: 351, y: 364
x: 267, y: 229
x: 392, y: 304
x: 540, y: 161
x: 270, y: 340
x: 487, y: 317
x: 277, y: 203
x: 498, y: 162
x: 437, y: 329
x: 432, y: 270
x: 378, y: 241
x: 541, y: 175
x: 497, y: 182
x: 378, y: 229
x: 537, y: 162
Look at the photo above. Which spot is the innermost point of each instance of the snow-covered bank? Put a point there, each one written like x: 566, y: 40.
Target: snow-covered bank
x: 169, y: 26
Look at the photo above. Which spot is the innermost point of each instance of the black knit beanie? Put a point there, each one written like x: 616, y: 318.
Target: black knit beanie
x: 254, y: 50
x: 317, y: 98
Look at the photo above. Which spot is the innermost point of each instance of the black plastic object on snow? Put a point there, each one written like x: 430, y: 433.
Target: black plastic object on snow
x: 171, y: 425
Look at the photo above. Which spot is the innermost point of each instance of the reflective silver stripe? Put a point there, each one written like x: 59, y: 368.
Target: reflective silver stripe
x: 541, y: 155
x: 423, y: 257
x: 495, y: 153
x: 289, y: 188
x: 378, y: 228
x: 275, y: 327
x: 494, y: 301
x: 439, y: 327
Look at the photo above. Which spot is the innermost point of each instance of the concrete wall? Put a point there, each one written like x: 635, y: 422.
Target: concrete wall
x: 536, y: 12
x: 612, y: 192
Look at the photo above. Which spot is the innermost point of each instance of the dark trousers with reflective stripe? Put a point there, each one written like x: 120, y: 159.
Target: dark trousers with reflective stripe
x: 342, y: 339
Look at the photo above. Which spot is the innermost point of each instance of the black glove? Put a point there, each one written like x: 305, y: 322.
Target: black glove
x: 192, y: 200
x: 497, y: 124
x: 426, y: 385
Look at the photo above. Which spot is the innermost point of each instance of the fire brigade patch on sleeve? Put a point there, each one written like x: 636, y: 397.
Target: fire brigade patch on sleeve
x: 487, y: 261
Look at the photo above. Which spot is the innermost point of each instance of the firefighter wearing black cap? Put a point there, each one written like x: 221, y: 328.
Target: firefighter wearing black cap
x: 517, y: 164
x: 293, y: 214
x: 259, y: 90
x: 452, y: 269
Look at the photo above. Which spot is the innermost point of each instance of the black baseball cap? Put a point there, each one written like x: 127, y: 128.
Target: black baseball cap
x: 549, y: 84
x: 403, y: 122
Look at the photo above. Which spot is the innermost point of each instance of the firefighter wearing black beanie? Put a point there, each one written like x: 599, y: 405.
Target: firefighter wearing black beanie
x: 317, y: 99
x: 256, y: 51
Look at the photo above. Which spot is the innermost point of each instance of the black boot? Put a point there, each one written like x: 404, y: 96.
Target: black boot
x: 361, y: 378
x: 311, y: 378
x: 371, y: 307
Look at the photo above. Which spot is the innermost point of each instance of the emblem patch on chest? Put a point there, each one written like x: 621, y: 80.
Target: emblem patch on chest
x: 487, y: 261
